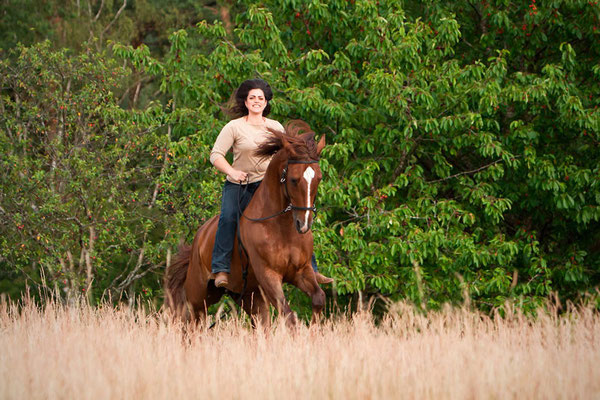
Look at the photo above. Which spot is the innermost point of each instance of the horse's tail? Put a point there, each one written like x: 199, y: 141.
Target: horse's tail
x: 174, y: 279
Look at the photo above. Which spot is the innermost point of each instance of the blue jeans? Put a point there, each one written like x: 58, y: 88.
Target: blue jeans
x: 235, y: 198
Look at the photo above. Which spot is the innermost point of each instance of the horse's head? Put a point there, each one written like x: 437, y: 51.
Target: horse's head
x: 303, y: 177
x: 300, y: 174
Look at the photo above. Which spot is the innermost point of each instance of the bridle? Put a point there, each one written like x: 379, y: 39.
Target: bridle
x: 283, y: 181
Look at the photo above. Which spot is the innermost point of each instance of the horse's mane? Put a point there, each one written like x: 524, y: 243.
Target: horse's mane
x: 300, y: 138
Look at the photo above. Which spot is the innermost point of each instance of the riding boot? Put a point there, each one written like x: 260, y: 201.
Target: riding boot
x: 322, y: 279
x: 221, y: 279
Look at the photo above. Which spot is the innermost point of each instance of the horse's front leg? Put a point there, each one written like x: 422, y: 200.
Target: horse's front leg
x: 271, y: 284
x: 306, y: 281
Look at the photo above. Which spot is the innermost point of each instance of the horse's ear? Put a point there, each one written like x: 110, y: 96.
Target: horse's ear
x: 321, y: 145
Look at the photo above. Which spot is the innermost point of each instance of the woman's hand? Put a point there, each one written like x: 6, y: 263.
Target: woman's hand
x: 222, y: 165
x: 237, y: 175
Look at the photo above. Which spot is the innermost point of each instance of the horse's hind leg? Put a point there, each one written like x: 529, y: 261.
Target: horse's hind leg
x: 257, y: 307
x: 305, y: 280
x: 204, y: 295
x: 196, y: 290
x: 197, y: 301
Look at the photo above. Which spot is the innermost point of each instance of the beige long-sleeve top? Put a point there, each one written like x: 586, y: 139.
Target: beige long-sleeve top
x: 244, y: 139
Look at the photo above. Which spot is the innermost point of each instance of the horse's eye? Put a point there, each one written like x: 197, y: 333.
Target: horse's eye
x: 294, y: 181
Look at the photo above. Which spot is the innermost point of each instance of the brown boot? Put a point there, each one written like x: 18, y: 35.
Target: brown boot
x: 322, y: 279
x: 221, y: 279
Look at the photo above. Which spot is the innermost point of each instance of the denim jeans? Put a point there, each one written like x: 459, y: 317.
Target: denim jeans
x: 235, y: 198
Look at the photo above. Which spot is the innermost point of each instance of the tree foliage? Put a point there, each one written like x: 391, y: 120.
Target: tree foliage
x: 463, y: 144
x: 72, y: 23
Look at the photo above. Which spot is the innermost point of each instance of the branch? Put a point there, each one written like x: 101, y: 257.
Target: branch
x: 114, y: 19
x: 134, y: 277
x: 143, y: 80
x: 99, y: 11
x: 404, y: 159
x: 467, y: 172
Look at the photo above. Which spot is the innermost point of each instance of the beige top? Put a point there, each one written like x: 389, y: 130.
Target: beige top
x: 244, y: 138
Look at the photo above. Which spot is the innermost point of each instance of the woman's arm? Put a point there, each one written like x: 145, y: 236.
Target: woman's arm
x: 222, y: 165
x: 217, y: 156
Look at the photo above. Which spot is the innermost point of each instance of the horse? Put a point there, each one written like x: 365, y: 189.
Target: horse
x: 275, y: 230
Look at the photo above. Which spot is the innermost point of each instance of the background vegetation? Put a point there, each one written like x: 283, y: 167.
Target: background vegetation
x: 463, y: 137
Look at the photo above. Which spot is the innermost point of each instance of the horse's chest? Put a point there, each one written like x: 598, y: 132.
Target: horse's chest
x: 298, y: 257
x: 282, y: 250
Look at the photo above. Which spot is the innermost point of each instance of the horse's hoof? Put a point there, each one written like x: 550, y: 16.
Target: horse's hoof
x: 221, y: 279
x: 322, y: 279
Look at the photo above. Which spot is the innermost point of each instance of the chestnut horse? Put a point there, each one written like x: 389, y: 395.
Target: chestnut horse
x: 275, y: 231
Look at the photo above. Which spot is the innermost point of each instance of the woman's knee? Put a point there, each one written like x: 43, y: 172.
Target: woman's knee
x: 228, y: 219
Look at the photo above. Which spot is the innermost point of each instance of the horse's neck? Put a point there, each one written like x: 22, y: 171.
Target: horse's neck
x: 268, y: 198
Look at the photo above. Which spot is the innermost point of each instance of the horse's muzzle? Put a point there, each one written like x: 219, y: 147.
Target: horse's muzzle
x: 301, y: 227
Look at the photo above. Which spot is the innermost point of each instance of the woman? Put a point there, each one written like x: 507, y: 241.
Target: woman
x: 242, y: 135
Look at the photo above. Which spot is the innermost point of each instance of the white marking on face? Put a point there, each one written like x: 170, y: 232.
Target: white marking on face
x: 309, y: 174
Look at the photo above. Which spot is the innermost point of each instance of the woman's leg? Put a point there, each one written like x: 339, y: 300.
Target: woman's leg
x: 235, y: 198
x: 221, y: 256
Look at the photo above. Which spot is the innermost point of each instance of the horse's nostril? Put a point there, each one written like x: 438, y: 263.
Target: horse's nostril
x: 298, y: 225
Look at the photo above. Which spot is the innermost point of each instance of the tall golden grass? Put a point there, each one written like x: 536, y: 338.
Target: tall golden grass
x: 81, y: 352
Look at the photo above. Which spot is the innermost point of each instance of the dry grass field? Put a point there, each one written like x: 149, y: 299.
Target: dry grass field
x: 80, y: 352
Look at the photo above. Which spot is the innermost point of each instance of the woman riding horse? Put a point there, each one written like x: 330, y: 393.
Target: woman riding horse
x: 275, y: 230
x: 243, y: 135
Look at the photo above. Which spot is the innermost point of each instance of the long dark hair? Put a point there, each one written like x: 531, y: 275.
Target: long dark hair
x: 237, y: 102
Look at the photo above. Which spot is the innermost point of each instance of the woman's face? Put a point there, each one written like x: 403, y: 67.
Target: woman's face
x: 256, y: 102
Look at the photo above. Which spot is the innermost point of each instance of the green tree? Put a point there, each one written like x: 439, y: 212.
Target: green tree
x: 463, y: 142
x: 454, y: 167
x: 76, y: 171
x: 74, y: 23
